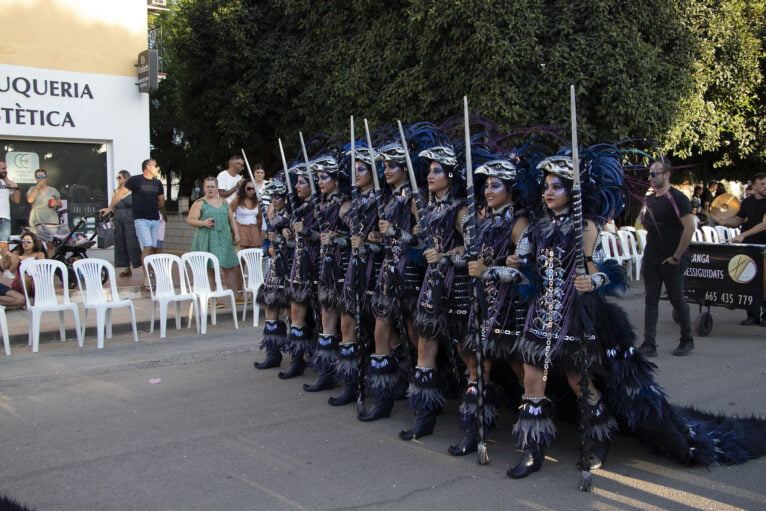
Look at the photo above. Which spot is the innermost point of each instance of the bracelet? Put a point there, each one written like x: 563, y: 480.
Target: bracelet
x: 599, y: 280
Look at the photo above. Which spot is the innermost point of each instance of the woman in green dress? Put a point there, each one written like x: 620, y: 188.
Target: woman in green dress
x: 215, y: 225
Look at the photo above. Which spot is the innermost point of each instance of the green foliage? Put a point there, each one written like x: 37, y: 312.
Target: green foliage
x: 686, y: 73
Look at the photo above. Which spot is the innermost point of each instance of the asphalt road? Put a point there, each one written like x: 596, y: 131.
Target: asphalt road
x: 84, y: 429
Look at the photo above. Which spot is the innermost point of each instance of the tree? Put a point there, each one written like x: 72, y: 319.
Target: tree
x: 685, y: 73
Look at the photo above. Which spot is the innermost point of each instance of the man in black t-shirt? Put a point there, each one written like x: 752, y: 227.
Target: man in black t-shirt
x: 669, y: 223
x: 707, y: 198
x: 148, y: 202
x: 752, y: 219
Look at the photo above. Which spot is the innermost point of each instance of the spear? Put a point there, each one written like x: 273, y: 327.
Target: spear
x: 471, y: 227
x: 585, y: 421
x: 308, y: 167
x: 411, y: 172
x: 360, y: 407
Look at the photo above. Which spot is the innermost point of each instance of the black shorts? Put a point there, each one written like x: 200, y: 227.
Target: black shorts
x: 4, y: 289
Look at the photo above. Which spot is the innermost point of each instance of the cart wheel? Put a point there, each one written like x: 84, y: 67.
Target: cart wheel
x: 703, y: 324
x: 675, y: 316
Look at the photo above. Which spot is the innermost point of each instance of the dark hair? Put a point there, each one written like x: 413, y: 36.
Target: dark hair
x: 235, y: 158
x: 36, y: 245
x: 242, y: 194
x: 712, y: 183
x: 665, y: 162
x: 145, y: 163
x: 43, y: 171
x: 697, y: 189
x: 757, y: 177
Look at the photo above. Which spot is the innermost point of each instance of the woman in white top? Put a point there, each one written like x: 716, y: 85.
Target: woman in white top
x: 248, y: 216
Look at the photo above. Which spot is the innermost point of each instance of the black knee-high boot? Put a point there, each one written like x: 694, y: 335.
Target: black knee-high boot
x: 347, y: 372
x: 534, y: 431
x: 469, y: 417
x: 298, y: 344
x: 382, y: 382
x: 323, y: 360
x: 426, y: 399
x: 274, y: 339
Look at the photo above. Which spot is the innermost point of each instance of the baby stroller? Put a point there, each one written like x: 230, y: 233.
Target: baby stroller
x: 75, y: 246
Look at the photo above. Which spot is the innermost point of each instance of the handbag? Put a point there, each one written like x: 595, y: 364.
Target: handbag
x: 105, y: 233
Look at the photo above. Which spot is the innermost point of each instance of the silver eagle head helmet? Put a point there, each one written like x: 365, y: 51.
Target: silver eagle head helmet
x: 560, y: 166
x: 393, y: 152
x: 299, y: 169
x: 326, y: 164
x: 443, y: 154
x: 275, y: 187
x: 501, y: 169
x: 365, y: 155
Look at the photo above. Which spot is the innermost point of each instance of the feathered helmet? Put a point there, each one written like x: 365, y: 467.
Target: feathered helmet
x: 602, y: 178
x: 443, y: 154
x: 392, y: 152
x: 327, y: 164
x: 558, y: 165
x: 500, y: 169
x: 364, y: 154
x: 275, y: 187
x: 446, y: 156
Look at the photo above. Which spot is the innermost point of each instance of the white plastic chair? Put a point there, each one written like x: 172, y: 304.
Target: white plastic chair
x: 196, y: 271
x: 94, y: 297
x: 4, y: 327
x: 43, y: 274
x: 250, y: 262
x: 630, y: 250
x: 724, y: 233
x: 698, y: 236
x: 710, y: 234
x: 627, y: 228
x: 610, y: 244
x: 161, y: 268
x: 641, y: 240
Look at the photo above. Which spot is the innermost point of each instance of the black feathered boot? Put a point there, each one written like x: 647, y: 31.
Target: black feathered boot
x: 298, y: 344
x: 425, y: 400
x: 534, y: 431
x: 469, y: 416
x: 274, y: 339
x: 347, y: 371
x: 601, y: 430
x: 382, y: 381
x: 323, y: 360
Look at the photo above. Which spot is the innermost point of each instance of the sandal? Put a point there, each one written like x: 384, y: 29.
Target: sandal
x: 126, y: 273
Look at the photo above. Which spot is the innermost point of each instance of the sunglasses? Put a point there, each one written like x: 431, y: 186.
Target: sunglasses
x: 40, y: 176
x: 27, y: 241
x: 249, y: 189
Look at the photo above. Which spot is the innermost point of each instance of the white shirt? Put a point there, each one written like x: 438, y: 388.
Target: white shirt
x: 226, y: 182
x: 5, y: 203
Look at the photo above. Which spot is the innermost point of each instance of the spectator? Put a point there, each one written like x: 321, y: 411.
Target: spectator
x: 127, y: 251
x: 9, y: 191
x: 707, y: 198
x: 749, y: 190
x: 668, y: 220
x: 215, y: 223
x: 696, y: 200
x: 752, y: 219
x: 248, y: 215
x: 28, y: 248
x: 229, y: 180
x: 148, y: 206
x: 720, y: 189
x: 43, y: 218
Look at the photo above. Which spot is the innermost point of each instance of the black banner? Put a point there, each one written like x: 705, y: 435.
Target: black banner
x: 725, y: 275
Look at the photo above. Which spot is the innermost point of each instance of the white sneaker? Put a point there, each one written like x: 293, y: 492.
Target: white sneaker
x: 8, y: 275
